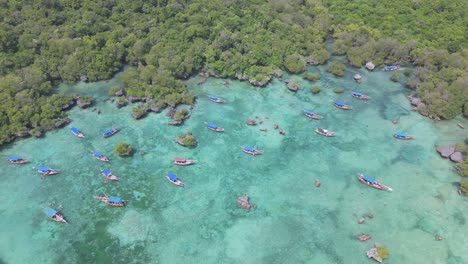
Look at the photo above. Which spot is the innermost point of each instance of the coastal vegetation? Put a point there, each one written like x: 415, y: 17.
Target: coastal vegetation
x: 186, y: 139
x: 313, y: 77
x: 123, y: 149
x: 45, y: 43
x: 315, y: 89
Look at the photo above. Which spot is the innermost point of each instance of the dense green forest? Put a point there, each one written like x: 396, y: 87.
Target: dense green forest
x: 46, y: 42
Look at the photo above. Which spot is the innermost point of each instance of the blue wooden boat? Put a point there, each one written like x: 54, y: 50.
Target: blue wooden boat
x: 311, y: 114
x: 112, y: 200
x: 54, y: 215
x: 99, y: 156
x: 252, y: 151
x: 369, y: 181
x: 77, y: 132
x: 359, y: 95
x: 215, y: 99
x: 341, y: 105
x: 402, y: 135
x: 108, y: 174
x: 16, y: 160
x: 173, y: 179
x: 109, y: 132
x: 391, y: 67
x: 214, y: 127
x: 46, y: 170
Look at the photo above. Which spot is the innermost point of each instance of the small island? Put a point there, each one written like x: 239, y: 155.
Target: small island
x: 186, y: 140
x: 123, y: 149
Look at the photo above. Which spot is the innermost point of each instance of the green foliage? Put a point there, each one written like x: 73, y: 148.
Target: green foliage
x: 187, y: 139
x: 315, y: 89
x: 336, y: 68
x: 464, y: 186
x: 394, y: 77
x: 313, y: 77
x: 407, y: 72
x: 181, y: 114
x: 382, y: 251
x: 114, y: 89
x: 123, y: 149
x: 294, y: 63
x: 338, y: 90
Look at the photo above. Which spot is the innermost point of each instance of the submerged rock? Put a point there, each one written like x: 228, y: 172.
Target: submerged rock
x: 456, y: 157
x: 363, y: 237
x: 445, y: 151
x: 243, y: 201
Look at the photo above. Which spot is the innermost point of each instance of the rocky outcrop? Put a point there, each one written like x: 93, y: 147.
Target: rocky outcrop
x: 415, y: 101
x: 62, y: 122
x: 251, y: 122
x: 445, y: 151
x: 83, y: 104
x: 363, y: 237
x: 292, y: 85
x: 456, y: 156
x: 69, y: 104
x: 370, y: 66
x: 243, y: 201
x: 120, y: 92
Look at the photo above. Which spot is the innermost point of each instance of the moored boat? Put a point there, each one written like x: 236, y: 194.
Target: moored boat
x: 109, y: 132
x: 324, y: 132
x: 54, y: 215
x: 215, y: 99
x: 359, y: 95
x: 77, y: 132
x: 311, y: 114
x: 402, y: 135
x: 112, y: 200
x: 391, y: 67
x: 182, y: 161
x: 173, y: 179
x: 214, y: 127
x: 341, y: 105
x: 369, y: 181
x: 108, y: 174
x: 46, y: 170
x: 252, y: 151
x: 17, y: 160
x: 99, y: 156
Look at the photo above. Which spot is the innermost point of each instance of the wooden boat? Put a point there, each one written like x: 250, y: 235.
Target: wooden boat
x: 182, y: 161
x: 460, y: 125
x: 215, y: 99
x: 76, y: 132
x: 46, y: 170
x: 54, y: 215
x: 214, y: 127
x: 402, y: 135
x: 311, y: 114
x: 173, y: 179
x: 369, y: 181
x: 391, y: 67
x: 251, y: 122
x: 112, y: 200
x: 359, y: 95
x: 252, y: 151
x: 341, y: 105
x: 17, y: 160
x: 108, y: 174
x: 109, y: 132
x: 99, y: 156
x: 324, y: 132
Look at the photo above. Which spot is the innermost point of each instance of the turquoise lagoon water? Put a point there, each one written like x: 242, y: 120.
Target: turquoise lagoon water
x: 294, y: 221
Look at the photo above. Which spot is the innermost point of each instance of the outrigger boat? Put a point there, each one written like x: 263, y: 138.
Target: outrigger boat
x: 311, y: 114
x: 16, y: 160
x: 109, y: 132
x: 341, y: 105
x: 214, y: 127
x: 369, y: 181
x: 182, y: 161
x: 45, y: 170
x: 402, y: 135
x: 324, y: 132
x: 108, y: 174
x: 252, y: 151
x: 173, y: 179
x: 359, y: 95
x: 391, y: 67
x: 112, y: 200
x: 99, y: 156
x: 215, y: 99
x: 54, y: 215
x: 76, y: 132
